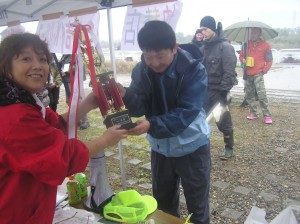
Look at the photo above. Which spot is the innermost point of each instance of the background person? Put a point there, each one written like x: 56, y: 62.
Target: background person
x: 198, y: 38
x: 64, y: 66
x: 220, y: 62
x: 259, y: 51
x: 35, y: 153
x: 65, y: 63
x: 53, y: 86
x: 169, y: 88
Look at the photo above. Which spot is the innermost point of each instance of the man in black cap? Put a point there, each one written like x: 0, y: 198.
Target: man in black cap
x: 220, y: 62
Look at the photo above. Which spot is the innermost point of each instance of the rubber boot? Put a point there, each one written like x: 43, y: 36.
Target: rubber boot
x: 228, y: 150
x: 244, y: 103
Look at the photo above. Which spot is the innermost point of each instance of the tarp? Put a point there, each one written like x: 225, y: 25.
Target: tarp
x: 21, y: 11
x: 35, y: 10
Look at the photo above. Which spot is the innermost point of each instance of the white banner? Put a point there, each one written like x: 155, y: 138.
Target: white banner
x: 58, y: 33
x: 136, y: 17
x: 12, y: 30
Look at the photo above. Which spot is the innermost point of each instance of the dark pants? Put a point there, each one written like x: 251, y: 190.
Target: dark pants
x: 54, y: 97
x: 225, y: 122
x: 66, y: 81
x: 193, y: 170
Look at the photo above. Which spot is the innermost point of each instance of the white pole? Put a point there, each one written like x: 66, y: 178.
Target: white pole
x: 113, y: 64
x: 111, y: 42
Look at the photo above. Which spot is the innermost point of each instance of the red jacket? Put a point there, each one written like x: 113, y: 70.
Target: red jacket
x: 262, y: 54
x: 35, y: 157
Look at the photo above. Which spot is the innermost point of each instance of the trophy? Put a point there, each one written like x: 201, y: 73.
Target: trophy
x: 111, y: 104
x: 112, y: 110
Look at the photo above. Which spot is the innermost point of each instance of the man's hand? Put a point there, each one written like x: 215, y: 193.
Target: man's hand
x: 141, y: 128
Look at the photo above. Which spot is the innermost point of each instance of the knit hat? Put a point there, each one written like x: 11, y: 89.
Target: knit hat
x: 198, y: 31
x: 208, y: 22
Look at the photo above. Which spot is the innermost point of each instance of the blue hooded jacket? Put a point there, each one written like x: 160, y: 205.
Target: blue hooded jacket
x: 173, y: 104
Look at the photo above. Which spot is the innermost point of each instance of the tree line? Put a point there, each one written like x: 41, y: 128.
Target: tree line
x: 287, y: 38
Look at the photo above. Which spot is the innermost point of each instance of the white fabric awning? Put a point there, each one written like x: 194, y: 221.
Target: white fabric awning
x: 19, y: 11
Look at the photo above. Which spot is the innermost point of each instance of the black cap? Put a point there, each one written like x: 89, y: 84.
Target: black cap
x: 208, y: 22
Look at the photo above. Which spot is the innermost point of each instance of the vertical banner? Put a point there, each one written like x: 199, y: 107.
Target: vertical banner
x: 52, y: 31
x: 59, y: 33
x: 12, y: 30
x: 136, y: 17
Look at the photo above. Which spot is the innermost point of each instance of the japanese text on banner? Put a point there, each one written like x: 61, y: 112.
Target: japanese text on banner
x: 136, y: 17
x: 59, y: 32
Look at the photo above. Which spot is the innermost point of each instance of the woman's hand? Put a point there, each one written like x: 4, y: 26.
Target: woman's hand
x: 114, y: 134
x: 110, y: 137
x: 90, y: 101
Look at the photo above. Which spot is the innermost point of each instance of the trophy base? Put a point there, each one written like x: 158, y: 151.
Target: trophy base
x: 121, y: 117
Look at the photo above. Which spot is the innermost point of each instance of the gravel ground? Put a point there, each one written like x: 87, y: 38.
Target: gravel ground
x: 266, y: 163
x: 264, y: 171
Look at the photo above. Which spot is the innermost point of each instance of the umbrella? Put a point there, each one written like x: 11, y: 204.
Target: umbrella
x: 241, y: 31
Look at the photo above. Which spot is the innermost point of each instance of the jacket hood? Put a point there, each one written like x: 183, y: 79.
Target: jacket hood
x: 216, y: 39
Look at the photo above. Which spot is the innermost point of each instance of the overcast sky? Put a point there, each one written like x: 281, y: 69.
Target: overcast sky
x: 275, y: 13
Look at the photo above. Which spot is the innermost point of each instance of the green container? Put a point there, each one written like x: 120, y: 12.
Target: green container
x: 73, y: 188
x: 81, y: 178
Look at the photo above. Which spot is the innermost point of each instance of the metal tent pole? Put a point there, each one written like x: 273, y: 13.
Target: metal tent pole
x: 113, y: 64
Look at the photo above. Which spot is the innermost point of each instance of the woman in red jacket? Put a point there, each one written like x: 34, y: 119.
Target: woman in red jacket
x: 35, y: 153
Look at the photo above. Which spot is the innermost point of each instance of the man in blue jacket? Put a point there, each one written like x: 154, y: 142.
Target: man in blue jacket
x: 169, y: 88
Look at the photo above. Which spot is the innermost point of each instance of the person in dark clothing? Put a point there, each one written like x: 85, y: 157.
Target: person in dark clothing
x: 65, y: 74
x: 220, y: 62
x: 66, y: 79
x: 198, y: 38
x: 53, y: 86
x: 169, y: 87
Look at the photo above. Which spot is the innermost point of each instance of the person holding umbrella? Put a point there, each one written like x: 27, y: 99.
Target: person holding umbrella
x: 220, y: 62
x: 258, y: 62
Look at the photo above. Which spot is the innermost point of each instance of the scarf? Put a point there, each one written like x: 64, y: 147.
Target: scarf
x: 10, y: 93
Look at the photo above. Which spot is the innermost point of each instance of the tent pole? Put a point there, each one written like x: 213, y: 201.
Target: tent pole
x: 113, y: 64
x: 111, y: 41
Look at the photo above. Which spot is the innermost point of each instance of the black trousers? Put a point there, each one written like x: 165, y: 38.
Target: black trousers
x: 225, y: 123
x: 193, y: 170
x: 54, y: 97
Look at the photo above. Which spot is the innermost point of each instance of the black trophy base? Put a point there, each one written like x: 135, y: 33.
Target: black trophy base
x: 120, y: 117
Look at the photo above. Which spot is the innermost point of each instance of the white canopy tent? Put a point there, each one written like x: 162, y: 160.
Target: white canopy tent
x: 19, y: 11
x: 12, y: 11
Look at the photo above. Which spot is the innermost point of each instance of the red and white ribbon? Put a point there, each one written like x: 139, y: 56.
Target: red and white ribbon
x: 77, y: 80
